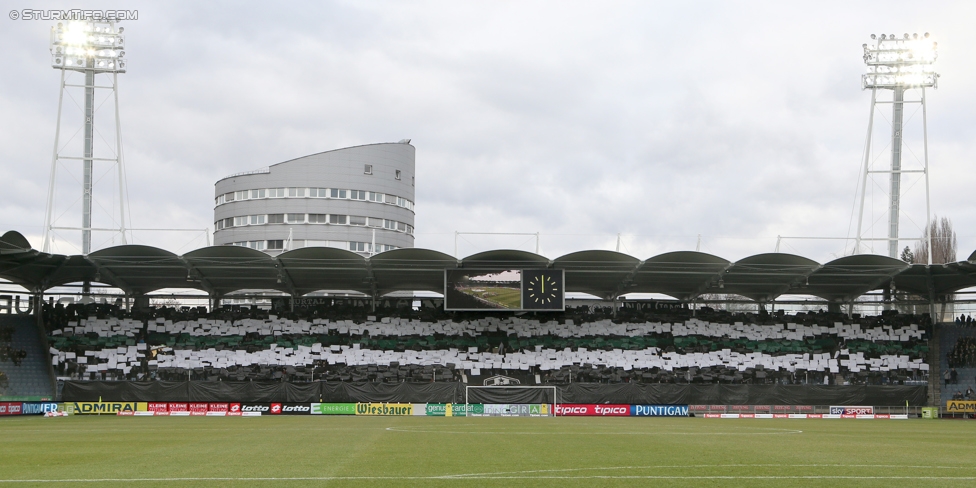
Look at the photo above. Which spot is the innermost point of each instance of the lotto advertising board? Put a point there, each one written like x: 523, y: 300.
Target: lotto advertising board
x: 591, y: 410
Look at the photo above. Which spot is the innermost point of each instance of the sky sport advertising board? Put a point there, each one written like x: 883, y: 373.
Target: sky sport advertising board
x: 862, y: 410
x: 514, y: 290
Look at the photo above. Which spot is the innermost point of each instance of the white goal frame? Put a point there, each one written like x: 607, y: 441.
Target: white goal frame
x: 555, y: 393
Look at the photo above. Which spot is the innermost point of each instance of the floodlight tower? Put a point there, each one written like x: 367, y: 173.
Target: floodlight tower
x: 89, y: 47
x: 898, y: 65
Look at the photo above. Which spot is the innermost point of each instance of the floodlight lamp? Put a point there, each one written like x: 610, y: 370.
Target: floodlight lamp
x: 75, y: 42
x: 900, y: 63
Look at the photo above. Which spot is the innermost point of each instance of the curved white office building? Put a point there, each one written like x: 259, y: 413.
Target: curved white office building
x: 359, y: 198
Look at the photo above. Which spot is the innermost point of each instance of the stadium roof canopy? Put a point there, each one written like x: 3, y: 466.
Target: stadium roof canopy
x: 685, y: 275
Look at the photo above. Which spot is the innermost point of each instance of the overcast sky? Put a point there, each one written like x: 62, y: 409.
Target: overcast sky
x: 663, y: 121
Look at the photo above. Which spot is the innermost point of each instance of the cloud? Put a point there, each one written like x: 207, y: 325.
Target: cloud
x: 738, y: 121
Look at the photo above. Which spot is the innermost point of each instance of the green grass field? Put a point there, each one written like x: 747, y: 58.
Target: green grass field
x: 458, y: 452
x: 501, y: 296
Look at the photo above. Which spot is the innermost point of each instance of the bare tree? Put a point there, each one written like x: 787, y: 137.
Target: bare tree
x: 943, y: 251
x: 943, y: 243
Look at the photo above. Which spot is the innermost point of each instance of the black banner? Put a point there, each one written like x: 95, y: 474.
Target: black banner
x: 451, y: 392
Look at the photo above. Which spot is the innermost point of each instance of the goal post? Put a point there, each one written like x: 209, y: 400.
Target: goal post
x: 548, y: 395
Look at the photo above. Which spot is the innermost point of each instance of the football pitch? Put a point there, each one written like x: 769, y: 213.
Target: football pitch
x: 458, y: 452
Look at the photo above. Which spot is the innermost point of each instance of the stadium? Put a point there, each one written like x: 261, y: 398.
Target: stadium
x: 317, y: 341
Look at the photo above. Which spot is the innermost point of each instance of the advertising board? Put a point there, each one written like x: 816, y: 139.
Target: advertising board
x: 451, y: 409
x: 836, y: 410
x: 397, y: 409
x: 659, y: 410
x: 38, y: 408
x: 333, y: 409
x: 591, y: 410
x: 961, y: 406
x: 10, y: 408
x: 516, y: 410
x: 109, y: 408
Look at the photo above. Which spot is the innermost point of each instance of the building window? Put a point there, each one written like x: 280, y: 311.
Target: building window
x: 276, y: 218
x: 374, y: 197
x: 240, y: 221
x: 390, y: 199
x: 359, y: 246
x: 357, y: 194
x: 398, y: 174
x: 228, y: 223
x: 258, y: 219
x: 276, y: 193
x: 295, y: 218
x: 368, y: 169
x: 240, y: 195
x: 318, y: 192
x: 357, y: 220
x: 338, y: 219
x: 389, y: 224
x: 296, y: 192
x: 276, y: 245
x: 257, y: 193
x: 375, y: 222
x: 316, y: 218
x: 338, y: 193
x: 413, y: 181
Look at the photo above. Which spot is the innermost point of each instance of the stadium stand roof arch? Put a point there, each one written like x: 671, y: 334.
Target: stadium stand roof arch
x: 605, y: 274
x: 685, y: 275
x: 681, y: 274
x: 410, y: 269
x: 224, y: 269
x: 324, y: 268
x: 139, y: 269
x: 846, y: 278
x: 505, y: 259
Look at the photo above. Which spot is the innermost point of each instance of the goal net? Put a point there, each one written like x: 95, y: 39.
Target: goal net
x: 513, y: 400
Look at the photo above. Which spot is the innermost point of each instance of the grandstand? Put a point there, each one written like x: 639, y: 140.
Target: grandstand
x: 679, y: 347
x: 681, y: 351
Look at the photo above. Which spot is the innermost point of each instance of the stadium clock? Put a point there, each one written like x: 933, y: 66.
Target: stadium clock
x: 542, y: 289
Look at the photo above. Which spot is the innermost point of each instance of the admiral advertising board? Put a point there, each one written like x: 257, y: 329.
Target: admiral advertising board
x: 961, y: 406
x: 105, y: 408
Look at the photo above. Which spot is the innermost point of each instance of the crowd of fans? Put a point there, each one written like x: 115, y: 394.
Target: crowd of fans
x: 8, y: 352
x: 963, y: 353
x: 149, y: 344
x: 965, y: 321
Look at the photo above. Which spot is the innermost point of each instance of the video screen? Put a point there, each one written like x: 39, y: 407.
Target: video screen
x: 483, y: 290
x: 512, y: 289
